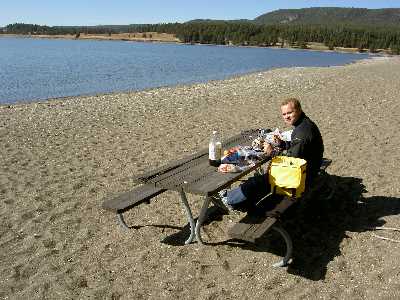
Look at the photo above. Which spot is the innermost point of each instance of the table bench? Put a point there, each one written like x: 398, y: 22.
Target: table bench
x: 128, y: 200
x: 143, y: 193
x: 252, y: 227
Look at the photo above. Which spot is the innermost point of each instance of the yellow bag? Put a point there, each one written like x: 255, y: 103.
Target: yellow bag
x: 287, y: 175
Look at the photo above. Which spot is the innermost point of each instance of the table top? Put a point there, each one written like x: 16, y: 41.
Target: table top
x: 193, y: 174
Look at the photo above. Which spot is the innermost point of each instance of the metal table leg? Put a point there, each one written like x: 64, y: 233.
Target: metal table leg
x: 289, y: 246
x: 121, y: 221
x: 200, y: 220
x: 189, y: 216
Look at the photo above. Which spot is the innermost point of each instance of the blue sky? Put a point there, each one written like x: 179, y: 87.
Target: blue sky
x: 101, y: 12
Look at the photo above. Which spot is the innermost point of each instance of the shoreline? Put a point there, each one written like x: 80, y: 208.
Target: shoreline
x: 170, y: 38
x: 51, y: 99
x: 99, y: 37
x: 62, y: 159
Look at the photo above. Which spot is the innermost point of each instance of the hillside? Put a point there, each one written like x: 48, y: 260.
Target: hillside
x: 358, y: 29
x: 219, y: 21
x: 332, y: 15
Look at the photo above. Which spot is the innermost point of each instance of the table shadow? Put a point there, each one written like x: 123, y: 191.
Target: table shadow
x: 319, y: 226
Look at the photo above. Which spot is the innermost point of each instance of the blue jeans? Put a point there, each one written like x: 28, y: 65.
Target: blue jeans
x: 246, y: 196
x: 235, y: 196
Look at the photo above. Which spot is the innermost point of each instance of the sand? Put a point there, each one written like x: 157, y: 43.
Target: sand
x: 61, y: 158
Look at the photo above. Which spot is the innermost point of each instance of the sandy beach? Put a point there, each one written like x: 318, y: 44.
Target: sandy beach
x: 61, y: 158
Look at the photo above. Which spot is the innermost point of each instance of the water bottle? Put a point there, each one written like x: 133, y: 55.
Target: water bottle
x: 215, y: 150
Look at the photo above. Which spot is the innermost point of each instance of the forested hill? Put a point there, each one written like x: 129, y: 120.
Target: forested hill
x: 332, y: 16
x: 324, y: 16
x: 363, y: 29
x: 220, y: 21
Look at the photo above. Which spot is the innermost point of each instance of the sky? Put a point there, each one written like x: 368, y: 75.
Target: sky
x: 123, y: 12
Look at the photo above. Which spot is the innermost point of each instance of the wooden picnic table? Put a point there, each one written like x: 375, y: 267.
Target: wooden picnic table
x: 194, y: 175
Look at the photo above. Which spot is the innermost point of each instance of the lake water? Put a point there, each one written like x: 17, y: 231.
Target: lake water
x: 37, y: 69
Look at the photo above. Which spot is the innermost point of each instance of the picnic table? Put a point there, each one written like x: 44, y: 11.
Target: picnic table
x: 194, y: 175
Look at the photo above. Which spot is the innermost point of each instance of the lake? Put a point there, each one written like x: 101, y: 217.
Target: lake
x: 37, y: 69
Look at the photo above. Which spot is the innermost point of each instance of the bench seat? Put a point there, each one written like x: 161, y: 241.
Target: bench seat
x: 128, y: 200
x: 252, y: 227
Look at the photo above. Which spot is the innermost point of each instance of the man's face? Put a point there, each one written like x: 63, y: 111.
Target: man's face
x: 289, y: 114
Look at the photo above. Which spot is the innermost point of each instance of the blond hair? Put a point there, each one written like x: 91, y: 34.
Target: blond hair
x: 294, y: 101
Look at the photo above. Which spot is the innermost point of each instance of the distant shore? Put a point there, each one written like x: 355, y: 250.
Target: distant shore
x: 135, y: 37
x: 171, y: 38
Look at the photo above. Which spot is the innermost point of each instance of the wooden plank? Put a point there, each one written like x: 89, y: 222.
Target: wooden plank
x: 143, y: 178
x: 185, y: 172
x: 239, y: 230
x: 127, y: 200
x: 263, y: 227
x: 251, y: 228
x: 201, y: 179
x: 230, y: 142
x: 281, y: 207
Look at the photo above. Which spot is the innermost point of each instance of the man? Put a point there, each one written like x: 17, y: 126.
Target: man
x: 306, y: 142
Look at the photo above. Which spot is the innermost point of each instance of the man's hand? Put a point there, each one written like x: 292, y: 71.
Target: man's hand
x: 276, y: 140
x: 268, y: 149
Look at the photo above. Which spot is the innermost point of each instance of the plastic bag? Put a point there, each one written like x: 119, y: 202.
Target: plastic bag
x: 287, y: 175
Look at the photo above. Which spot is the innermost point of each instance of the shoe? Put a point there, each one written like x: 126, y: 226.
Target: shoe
x: 225, y: 201
x: 222, y: 193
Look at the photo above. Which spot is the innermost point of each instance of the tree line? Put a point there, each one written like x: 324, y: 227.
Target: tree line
x: 34, y: 29
x: 347, y: 36
x: 245, y: 34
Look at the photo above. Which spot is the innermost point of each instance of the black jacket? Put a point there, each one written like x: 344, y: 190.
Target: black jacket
x: 306, y: 142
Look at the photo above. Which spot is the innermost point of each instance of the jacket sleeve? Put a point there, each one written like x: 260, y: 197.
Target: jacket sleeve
x: 296, y: 148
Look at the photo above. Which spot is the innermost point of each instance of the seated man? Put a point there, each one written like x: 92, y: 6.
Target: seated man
x: 306, y: 142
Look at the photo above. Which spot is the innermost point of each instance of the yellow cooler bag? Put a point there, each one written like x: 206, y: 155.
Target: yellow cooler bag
x: 287, y: 175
